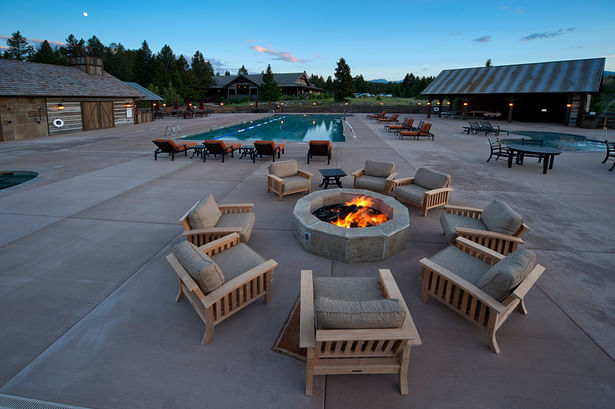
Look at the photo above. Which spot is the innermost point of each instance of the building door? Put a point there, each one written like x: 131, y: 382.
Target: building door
x: 97, y: 115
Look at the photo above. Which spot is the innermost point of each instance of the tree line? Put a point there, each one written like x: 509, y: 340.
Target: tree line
x: 175, y: 78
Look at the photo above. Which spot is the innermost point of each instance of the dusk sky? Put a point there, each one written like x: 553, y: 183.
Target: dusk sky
x: 379, y: 39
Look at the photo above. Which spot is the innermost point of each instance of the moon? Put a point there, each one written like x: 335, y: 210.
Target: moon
x: 85, y: 14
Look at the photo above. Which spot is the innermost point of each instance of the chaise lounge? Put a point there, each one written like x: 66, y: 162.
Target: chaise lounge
x: 319, y: 148
x: 267, y: 148
x: 216, y: 147
x: 171, y: 147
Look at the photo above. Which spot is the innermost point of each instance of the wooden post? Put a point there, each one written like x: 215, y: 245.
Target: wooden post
x: 568, y: 109
x: 439, y: 104
x: 429, y: 108
x: 511, y: 103
x: 465, y: 107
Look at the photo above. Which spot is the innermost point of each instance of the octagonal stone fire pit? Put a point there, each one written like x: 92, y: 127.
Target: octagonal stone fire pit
x: 352, y: 245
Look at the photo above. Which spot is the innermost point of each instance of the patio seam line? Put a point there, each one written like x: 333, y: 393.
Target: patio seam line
x: 102, y: 301
x: 593, y: 341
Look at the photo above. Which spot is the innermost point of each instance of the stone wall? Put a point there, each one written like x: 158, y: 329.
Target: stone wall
x: 22, y: 118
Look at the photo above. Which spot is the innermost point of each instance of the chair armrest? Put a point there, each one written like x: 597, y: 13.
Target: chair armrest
x: 184, y: 218
x: 462, y: 231
x: 358, y: 173
x: 478, y: 250
x: 466, y: 285
x: 391, y: 177
x: 403, y: 181
x: 439, y: 190
x: 304, y: 174
x: 464, y: 211
x: 275, y: 178
x: 529, y: 282
x: 306, y: 313
x: 205, y: 230
x: 183, y: 275
x: 221, y: 244
x: 236, y: 208
x: 230, y: 286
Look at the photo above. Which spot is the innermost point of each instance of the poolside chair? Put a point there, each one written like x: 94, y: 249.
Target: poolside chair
x: 285, y: 178
x: 220, y: 278
x: 390, y: 119
x: 497, y: 226
x: 496, y: 148
x: 376, y: 176
x: 483, y: 286
x: 319, y: 148
x: 216, y: 147
x: 406, y: 125
x: 426, y: 190
x: 207, y: 221
x: 422, y: 132
x: 610, y: 153
x: 487, y: 127
x: 355, y: 325
x: 267, y: 148
x: 171, y: 147
x: 473, y: 128
x: 376, y: 116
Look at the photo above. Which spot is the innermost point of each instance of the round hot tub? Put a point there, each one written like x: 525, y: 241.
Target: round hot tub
x: 351, y: 245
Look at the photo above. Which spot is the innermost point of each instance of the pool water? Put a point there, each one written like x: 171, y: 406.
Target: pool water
x: 281, y: 127
x: 563, y: 141
x: 14, y: 178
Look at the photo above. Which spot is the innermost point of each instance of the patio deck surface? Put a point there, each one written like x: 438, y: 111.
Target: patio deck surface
x: 87, y: 310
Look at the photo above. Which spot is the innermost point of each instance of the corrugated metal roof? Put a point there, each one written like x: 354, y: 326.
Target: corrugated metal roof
x: 147, y: 94
x: 545, y: 77
x: 19, y: 78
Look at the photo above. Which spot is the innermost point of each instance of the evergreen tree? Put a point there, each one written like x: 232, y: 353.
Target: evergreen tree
x: 242, y: 71
x: 143, y: 65
x: 182, y: 77
x: 94, y: 48
x: 342, y: 86
x: 119, y: 62
x: 269, y: 89
x: 329, y: 85
x: 202, y: 73
x: 359, y: 84
x: 227, y: 73
x: 74, y: 47
x: 45, y: 54
x: 19, y: 49
x: 488, y: 63
x: 165, y: 66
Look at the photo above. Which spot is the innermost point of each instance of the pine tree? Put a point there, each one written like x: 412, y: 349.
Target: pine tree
x: 94, y: 48
x: 143, y: 66
x: 45, y: 54
x: 19, y: 49
x: 202, y: 73
x: 227, y: 73
x: 74, y: 47
x: 165, y: 65
x: 242, y: 71
x: 269, y: 89
x: 342, y: 86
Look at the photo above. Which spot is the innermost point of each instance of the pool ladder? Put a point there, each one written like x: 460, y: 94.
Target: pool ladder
x: 172, y: 130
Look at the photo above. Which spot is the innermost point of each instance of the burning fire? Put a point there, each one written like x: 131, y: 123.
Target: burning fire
x: 362, y: 216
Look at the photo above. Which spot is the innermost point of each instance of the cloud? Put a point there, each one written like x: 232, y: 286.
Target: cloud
x: 278, y: 55
x: 483, y: 39
x: 53, y: 43
x: 547, y: 34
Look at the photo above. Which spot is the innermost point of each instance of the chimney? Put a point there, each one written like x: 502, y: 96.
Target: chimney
x: 89, y: 65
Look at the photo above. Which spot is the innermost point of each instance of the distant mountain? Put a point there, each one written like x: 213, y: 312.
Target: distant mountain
x: 606, y: 74
x: 383, y: 81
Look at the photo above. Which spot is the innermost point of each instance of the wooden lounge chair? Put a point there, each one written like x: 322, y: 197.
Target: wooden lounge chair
x: 426, y: 190
x: 376, y: 176
x: 390, y: 119
x: 406, y: 125
x: 610, y: 153
x: 267, y: 148
x: 220, y: 278
x: 496, y: 148
x: 376, y: 116
x: 285, y: 178
x: 354, y: 344
x: 171, y: 147
x: 207, y: 221
x: 497, y: 226
x: 319, y: 148
x: 422, y: 132
x: 480, y: 284
x: 216, y: 147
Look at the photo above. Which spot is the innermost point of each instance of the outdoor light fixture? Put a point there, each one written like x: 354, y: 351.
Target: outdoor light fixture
x: 418, y: 103
x: 346, y: 103
x: 221, y: 104
x: 60, y: 107
x: 313, y: 122
x: 568, y: 105
x: 127, y: 105
x: 164, y: 105
x: 382, y: 103
x: 429, y: 103
x: 438, y: 102
x: 465, y: 104
x: 448, y: 102
x: 281, y: 122
x: 543, y: 110
x: 510, y: 104
x: 314, y: 103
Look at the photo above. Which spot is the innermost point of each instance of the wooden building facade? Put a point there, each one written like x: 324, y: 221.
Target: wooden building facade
x: 242, y: 86
x: 38, y: 100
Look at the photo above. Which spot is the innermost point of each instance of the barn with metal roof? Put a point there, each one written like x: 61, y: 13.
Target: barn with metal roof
x: 556, y: 91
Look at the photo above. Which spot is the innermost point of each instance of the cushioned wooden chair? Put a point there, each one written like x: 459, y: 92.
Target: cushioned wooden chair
x: 358, y: 325
x: 424, y: 131
x: 497, y: 226
x: 426, y: 190
x: 319, y: 148
x: 389, y: 119
x: 216, y: 147
x: 267, y: 148
x: 207, y: 221
x: 171, y: 147
x: 480, y: 284
x: 376, y: 176
x: 285, y: 178
x: 220, y: 278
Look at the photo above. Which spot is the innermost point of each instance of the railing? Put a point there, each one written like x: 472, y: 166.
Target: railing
x: 172, y: 130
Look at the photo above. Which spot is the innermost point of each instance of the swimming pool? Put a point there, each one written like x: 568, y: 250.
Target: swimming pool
x: 564, y: 141
x: 280, y: 128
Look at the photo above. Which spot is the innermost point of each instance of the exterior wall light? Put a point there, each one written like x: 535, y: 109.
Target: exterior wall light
x: 314, y: 103
x: 568, y: 105
x: 465, y: 104
x: 510, y: 104
x: 60, y: 107
x: 221, y: 104
x: 418, y: 103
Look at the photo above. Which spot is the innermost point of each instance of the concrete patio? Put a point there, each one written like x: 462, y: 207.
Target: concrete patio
x: 87, y: 310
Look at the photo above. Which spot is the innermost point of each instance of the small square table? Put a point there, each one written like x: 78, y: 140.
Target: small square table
x: 331, y: 175
x: 246, y: 150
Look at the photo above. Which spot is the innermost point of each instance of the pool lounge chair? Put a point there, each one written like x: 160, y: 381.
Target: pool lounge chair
x: 481, y: 285
x: 389, y: 119
x: 406, y: 125
x: 474, y: 128
x: 422, y: 132
x: 216, y: 147
x: 319, y: 148
x: 171, y: 147
x: 267, y: 148
x: 487, y: 128
x: 376, y: 116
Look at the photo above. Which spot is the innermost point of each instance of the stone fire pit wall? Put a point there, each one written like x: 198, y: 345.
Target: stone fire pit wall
x: 353, y: 245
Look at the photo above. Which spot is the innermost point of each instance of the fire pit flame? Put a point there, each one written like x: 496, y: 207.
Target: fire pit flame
x: 357, y: 212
